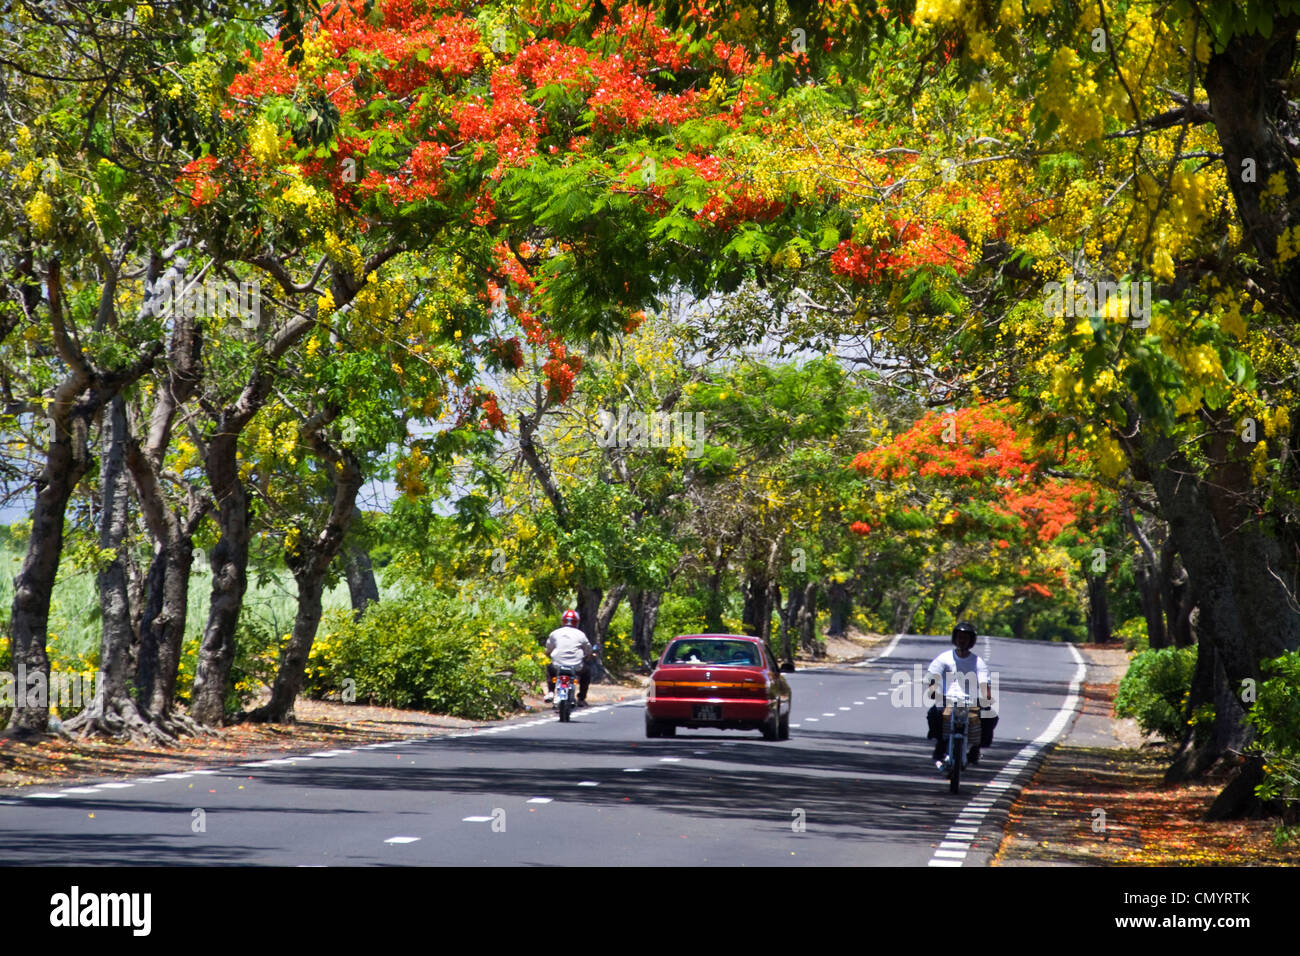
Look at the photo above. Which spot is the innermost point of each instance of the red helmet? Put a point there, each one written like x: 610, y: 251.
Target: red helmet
x: 570, y: 619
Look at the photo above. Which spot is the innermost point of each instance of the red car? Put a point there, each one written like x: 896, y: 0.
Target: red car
x: 723, y: 681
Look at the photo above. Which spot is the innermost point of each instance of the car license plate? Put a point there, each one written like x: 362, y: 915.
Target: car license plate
x: 707, y: 712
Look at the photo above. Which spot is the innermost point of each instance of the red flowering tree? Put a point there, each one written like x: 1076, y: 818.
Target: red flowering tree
x: 990, y: 515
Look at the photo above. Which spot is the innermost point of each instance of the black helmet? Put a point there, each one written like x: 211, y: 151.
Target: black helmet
x: 966, y: 628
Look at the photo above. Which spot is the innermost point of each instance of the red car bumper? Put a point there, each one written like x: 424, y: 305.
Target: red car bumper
x: 710, y: 712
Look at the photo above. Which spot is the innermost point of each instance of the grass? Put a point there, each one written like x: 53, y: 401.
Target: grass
x: 74, y: 626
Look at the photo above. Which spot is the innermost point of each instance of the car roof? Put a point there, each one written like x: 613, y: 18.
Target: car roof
x: 719, y: 637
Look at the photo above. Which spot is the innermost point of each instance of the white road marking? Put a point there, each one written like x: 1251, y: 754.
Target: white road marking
x: 794, y: 725
x: 204, y: 773
x: 172, y: 776
x: 81, y: 790
x: 46, y: 796
x: 828, y: 714
x: 475, y: 819
x: 540, y: 800
x: 811, y: 720
x: 846, y: 708
x: 401, y: 839
x: 945, y: 863
x: 951, y: 854
x: 858, y: 703
x: 116, y: 786
x: 633, y: 769
x: 670, y: 759
x: 588, y: 783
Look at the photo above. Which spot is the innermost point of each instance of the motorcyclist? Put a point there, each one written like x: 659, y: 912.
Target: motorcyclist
x: 568, y: 647
x: 961, y: 661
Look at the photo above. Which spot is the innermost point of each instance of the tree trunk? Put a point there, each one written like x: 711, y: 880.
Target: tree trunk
x: 806, y: 622
x: 113, y: 712
x: 645, y: 611
x: 840, y: 605
x: 67, y: 459
x: 598, y: 608
x: 714, y: 603
x: 1098, y: 609
x: 1146, y: 575
x: 362, y: 586
x: 309, y: 564
x: 229, y: 563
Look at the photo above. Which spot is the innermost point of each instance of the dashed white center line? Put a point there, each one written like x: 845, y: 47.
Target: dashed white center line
x: 475, y: 819
x: 811, y: 720
x: 633, y: 769
x: 846, y: 708
x: 540, y: 800
x: 588, y: 783
x: 670, y: 759
x: 404, y: 839
x: 858, y: 703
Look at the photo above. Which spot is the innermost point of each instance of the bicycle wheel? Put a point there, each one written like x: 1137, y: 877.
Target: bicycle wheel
x: 954, y: 774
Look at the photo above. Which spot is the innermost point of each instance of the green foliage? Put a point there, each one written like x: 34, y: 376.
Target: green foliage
x: 1155, y: 688
x: 1133, y: 633
x: 1276, y: 722
x: 430, y: 652
x: 257, y: 655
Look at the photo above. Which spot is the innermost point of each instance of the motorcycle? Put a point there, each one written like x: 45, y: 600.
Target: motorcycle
x: 961, y: 722
x: 566, y: 691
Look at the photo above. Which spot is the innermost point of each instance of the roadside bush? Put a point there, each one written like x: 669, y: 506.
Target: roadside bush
x: 1154, y: 690
x: 1133, y: 633
x: 1276, y: 721
x: 429, y: 652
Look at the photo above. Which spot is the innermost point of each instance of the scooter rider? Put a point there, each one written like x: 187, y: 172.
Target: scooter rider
x: 960, y: 662
x: 569, y: 647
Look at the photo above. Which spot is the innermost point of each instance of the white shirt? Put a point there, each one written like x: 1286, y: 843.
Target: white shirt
x: 949, y: 663
x: 568, y: 647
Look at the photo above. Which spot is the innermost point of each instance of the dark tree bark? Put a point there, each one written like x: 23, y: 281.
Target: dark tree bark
x: 787, y: 618
x: 1176, y: 597
x: 112, y: 712
x: 229, y: 563
x: 645, y: 611
x: 1146, y: 575
x: 1098, y: 609
x: 806, y: 622
x: 1247, y: 86
x: 78, y: 398
x: 840, y: 607
x: 363, y: 589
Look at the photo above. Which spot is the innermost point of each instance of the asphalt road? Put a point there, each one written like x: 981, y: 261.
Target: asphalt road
x: 853, y: 786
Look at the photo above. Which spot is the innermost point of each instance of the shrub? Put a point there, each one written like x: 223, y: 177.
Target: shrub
x: 429, y: 652
x: 1133, y: 633
x: 1276, y: 721
x: 1155, y: 688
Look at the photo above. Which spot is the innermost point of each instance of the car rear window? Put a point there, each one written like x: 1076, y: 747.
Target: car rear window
x: 712, y: 652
